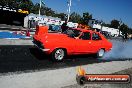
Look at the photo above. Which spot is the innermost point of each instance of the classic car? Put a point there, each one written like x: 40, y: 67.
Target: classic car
x: 74, y: 41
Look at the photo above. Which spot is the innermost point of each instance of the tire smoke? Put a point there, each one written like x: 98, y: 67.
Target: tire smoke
x: 120, y: 50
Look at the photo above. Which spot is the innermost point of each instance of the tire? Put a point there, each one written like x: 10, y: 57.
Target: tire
x: 58, y: 54
x: 100, y: 53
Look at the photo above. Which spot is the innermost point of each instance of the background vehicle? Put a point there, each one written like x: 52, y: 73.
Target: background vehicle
x: 72, y: 42
x: 55, y: 27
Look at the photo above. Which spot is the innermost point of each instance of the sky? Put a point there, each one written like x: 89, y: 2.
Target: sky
x: 105, y: 10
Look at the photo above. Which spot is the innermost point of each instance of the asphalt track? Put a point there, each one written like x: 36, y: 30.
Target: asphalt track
x: 34, y: 65
x: 27, y: 58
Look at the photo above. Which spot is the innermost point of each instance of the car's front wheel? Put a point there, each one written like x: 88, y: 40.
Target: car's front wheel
x: 58, y: 54
x: 100, y: 53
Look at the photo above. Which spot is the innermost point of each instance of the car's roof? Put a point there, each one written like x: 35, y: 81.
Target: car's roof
x: 84, y: 30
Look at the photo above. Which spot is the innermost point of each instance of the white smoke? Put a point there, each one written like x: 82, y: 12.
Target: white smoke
x: 121, y: 50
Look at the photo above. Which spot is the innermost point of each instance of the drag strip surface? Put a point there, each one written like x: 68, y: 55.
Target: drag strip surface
x: 25, y: 58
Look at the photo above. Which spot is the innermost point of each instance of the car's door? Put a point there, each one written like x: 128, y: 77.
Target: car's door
x: 83, y: 43
x: 96, y: 42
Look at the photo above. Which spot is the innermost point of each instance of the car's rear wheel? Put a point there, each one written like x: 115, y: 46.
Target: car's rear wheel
x: 100, y: 53
x: 58, y: 54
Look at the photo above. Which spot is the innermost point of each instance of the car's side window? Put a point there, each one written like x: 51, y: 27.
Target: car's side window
x: 85, y: 36
x: 96, y: 36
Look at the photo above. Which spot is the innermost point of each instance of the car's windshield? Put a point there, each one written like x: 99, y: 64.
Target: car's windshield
x: 72, y: 32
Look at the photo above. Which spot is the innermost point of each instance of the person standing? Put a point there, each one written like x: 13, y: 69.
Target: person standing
x: 64, y: 27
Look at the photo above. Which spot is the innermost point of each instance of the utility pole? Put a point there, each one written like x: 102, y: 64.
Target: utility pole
x: 40, y: 4
x: 101, y: 24
x: 120, y: 22
x: 69, y: 9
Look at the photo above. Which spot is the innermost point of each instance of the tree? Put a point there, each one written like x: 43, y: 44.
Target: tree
x: 18, y: 4
x: 3, y: 2
x: 124, y: 28
x: 49, y: 11
x: 115, y: 24
x: 25, y: 4
x: 86, y: 17
x: 130, y: 30
x: 44, y: 10
x: 74, y: 17
x: 105, y: 24
x: 61, y: 15
x: 35, y: 9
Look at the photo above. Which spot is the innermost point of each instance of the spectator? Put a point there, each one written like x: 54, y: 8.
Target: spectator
x: 64, y: 27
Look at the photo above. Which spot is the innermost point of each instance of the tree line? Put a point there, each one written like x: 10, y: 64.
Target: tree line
x: 74, y: 17
x: 119, y: 25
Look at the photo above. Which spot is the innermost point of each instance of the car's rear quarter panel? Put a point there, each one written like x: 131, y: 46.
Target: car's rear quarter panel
x: 58, y: 41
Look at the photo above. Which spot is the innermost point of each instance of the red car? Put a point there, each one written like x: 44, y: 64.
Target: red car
x: 72, y: 42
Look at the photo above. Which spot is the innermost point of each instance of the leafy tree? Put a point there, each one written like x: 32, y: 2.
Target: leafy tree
x: 44, y: 10
x: 35, y: 9
x: 106, y: 25
x: 129, y: 31
x: 74, y: 17
x: 61, y: 15
x: 115, y: 24
x: 124, y: 28
x: 18, y: 4
x: 86, y: 17
x: 25, y: 4
x: 3, y: 2
x: 49, y: 11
